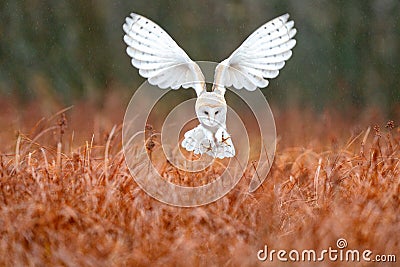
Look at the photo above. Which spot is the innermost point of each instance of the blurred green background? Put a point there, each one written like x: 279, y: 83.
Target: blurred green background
x: 347, y: 54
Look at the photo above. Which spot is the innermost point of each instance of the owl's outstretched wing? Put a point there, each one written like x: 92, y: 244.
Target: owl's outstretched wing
x: 260, y: 57
x: 158, y: 57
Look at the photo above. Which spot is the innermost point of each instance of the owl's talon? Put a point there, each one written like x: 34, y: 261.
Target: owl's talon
x: 143, y: 38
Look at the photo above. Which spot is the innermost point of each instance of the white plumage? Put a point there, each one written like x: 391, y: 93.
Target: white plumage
x: 166, y: 65
x: 158, y: 57
x: 200, y: 140
x: 260, y: 56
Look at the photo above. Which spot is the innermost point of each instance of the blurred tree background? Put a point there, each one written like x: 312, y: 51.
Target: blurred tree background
x: 347, y: 54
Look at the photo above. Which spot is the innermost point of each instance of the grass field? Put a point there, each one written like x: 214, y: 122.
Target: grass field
x: 67, y: 198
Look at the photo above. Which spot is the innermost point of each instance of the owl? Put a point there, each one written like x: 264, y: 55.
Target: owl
x: 159, y: 59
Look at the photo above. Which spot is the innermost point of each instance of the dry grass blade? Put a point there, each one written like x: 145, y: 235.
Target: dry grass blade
x: 77, y: 205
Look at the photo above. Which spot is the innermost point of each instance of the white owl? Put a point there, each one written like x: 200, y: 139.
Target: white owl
x: 166, y: 65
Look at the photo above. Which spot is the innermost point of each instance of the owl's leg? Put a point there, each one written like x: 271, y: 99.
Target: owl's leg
x: 221, y: 134
x: 225, y: 148
x: 199, y: 140
x: 203, y: 141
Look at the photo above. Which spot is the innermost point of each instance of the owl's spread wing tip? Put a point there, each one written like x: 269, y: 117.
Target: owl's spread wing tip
x: 259, y: 57
x: 157, y: 56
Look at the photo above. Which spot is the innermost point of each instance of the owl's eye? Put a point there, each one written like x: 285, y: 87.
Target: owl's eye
x: 206, y: 112
x: 216, y: 112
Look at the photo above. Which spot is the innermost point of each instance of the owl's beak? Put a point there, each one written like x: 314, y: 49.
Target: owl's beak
x: 211, y: 119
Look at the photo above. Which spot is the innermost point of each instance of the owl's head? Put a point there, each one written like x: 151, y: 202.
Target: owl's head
x: 211, y: 109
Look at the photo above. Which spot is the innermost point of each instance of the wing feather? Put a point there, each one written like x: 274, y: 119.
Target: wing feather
x: 260, y: 57
x: 158, y: 57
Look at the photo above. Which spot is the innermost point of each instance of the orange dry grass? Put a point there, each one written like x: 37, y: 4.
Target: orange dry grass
x: 68, y: 204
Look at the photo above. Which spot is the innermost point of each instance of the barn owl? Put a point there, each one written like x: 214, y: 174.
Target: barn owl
x: 159, y: 59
